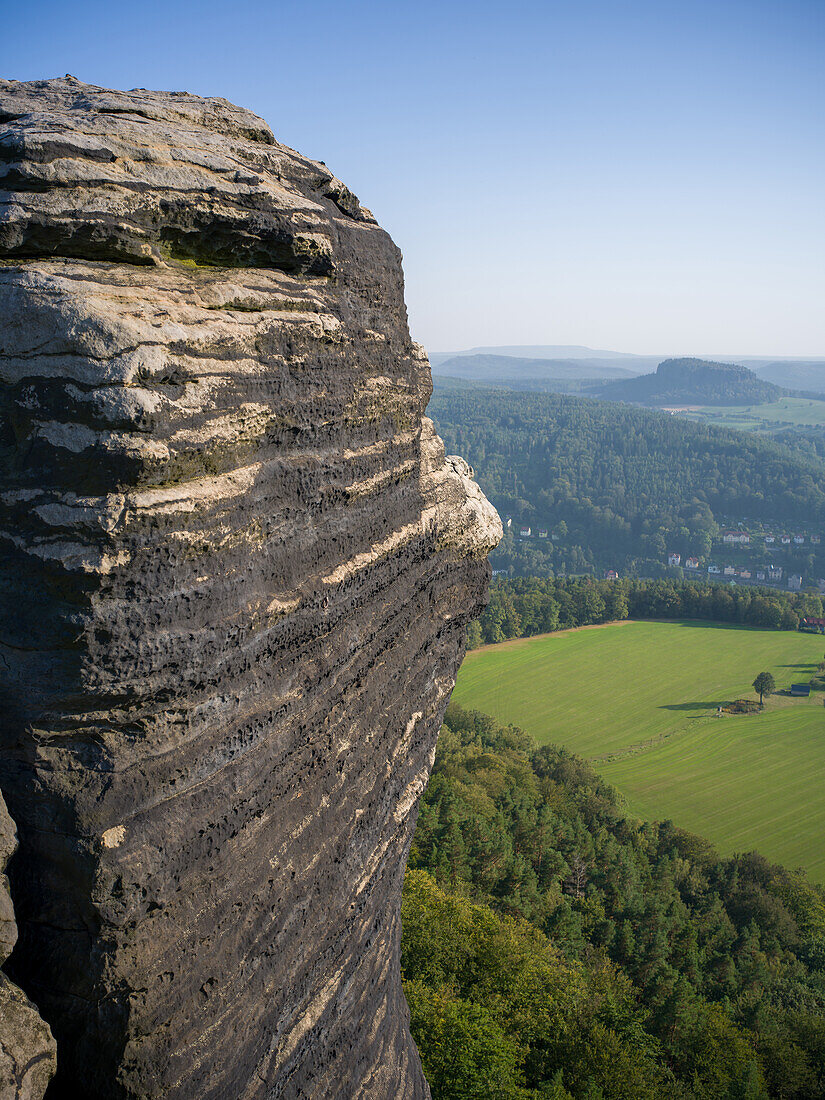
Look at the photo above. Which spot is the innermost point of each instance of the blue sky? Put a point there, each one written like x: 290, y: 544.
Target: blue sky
x: 640, y: 176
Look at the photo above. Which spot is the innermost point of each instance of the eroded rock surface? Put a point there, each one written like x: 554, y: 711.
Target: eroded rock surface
x: 27, y: 1049
x: 236, y: 574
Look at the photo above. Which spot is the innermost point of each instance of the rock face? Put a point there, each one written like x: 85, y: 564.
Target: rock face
x: 27, y: 1049
x: 236, y: 574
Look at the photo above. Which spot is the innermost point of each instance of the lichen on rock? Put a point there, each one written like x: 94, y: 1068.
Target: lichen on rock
x: 237, y: 571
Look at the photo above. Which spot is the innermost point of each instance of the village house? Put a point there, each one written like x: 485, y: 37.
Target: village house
x: 674, y: 559
x: 542, y: 532
x: 812, y: 625
x: 525, y: 532
x: 770, y: 540
x: 746, y: 575
x: 815, y: 540
x: 760, y: 575
x: 794, y: 582
x: 775, y: 573
x: 692, y: 563
x: 799, y: 540
x: 786, y: 540
x: 611, y: 575
x: 714, y: 570
x: 729, y: 571
x: 741, y: 538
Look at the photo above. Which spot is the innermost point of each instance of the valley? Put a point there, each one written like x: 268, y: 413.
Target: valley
x: 639, y: 701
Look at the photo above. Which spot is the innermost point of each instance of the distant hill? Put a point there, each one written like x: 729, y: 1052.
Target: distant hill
x: 547, y: 351
x: 539, y: 374
x: 693, y: 382
x: 794, y: 374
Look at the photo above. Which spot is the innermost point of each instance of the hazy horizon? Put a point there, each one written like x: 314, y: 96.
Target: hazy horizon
x: 639, y: 176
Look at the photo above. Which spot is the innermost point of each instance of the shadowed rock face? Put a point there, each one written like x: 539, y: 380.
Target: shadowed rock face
x: 236, y: 574
x: 27, y: 1049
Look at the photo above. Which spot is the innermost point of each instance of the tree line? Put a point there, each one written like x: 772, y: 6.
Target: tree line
x: 554, y: 947
x: 520, y: 607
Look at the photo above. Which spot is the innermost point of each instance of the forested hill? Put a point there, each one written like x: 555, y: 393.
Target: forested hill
x: 554, y: 948
x: 693, y: 382
x: 617, y: 486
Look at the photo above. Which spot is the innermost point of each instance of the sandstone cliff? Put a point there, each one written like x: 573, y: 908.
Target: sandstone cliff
x: 236, y: 574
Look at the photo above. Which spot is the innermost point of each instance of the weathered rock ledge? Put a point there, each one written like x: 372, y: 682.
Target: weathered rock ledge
x: 236, y: 573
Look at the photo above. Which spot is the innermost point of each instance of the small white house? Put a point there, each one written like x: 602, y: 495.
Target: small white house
x: 729, y: 571
x: 525, y: 532
x: 760, y: 575
x: 740, y: 538
x: 794, y: 582
x: 799, y: 540
x: 770, y: 540
x: 714, y: 570
x: 542, y: 532
x: 674, y: 559
x: 775, y: 573
x: 786, y: 540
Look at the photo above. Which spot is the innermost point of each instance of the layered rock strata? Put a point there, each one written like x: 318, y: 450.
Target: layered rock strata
x: 236, y: 574
x: 27, y: 1048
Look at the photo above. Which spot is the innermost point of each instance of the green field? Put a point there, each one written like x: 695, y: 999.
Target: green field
x: 639, y: 699
x: 798, y: 412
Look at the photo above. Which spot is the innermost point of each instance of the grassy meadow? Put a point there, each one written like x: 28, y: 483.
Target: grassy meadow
x: 798, y: 412
x: 639, y: 699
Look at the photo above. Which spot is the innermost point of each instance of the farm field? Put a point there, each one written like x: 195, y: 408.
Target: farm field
x: 788, y: 411
x: 639, y: 699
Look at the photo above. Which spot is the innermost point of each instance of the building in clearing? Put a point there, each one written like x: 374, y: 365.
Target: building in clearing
x: 674, y: 559
x: 786, y: 540
x: 775, y: 573
x: 542, y: 532
x: 525, y: 532
x: 729, y: 571
x: 812, y: 625
x: 770, y: 540
x: 714, y: 570
x: 794, y: 582
x: 799, y: 540
x: 740, y: 538
x: 611, y: 575
x: 816, y: 540
x: 761, y: 575
x: 746, y: 574
x: 692, y: 563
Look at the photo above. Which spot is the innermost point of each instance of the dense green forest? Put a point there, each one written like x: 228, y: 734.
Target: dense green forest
x: 553, y: 947
x: 694, y: 382
x: 520, y: 607
x: 618, y: 487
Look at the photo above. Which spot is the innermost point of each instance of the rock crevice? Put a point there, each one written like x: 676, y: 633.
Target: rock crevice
x: 236, y: 572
